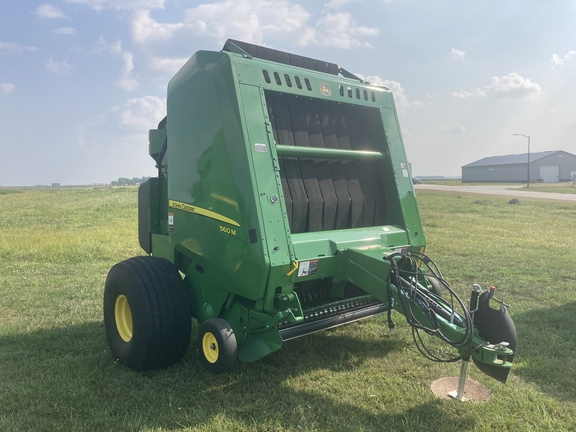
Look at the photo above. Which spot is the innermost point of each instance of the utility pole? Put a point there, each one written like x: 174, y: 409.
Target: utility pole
x: 527, y: 166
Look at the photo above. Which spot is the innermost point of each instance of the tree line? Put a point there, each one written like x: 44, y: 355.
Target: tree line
x: 124, y: 181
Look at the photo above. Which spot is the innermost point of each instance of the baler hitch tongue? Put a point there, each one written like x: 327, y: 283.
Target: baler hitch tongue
x: 496, y: 327
x: 485, y: 334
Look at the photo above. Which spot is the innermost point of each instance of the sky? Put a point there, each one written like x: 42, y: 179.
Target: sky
x: 82, y: 81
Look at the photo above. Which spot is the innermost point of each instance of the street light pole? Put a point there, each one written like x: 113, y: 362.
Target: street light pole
x: 527, y: 166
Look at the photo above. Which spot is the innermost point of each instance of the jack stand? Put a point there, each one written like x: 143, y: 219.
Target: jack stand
x: 459, y: 394
x: 461, y: 388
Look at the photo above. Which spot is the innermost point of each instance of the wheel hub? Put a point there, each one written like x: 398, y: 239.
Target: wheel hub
x: 210, y: 347
x: 123, y: 318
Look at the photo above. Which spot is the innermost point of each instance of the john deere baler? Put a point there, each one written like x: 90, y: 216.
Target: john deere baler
x: 283, y: 206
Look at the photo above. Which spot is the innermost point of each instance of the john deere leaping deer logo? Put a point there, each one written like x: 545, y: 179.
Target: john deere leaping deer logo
x: 325, y: 89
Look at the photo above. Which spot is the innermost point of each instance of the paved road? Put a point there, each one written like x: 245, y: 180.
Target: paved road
x: 507, y: 191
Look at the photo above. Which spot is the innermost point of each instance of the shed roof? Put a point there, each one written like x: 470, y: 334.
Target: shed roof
x: 511, y: 159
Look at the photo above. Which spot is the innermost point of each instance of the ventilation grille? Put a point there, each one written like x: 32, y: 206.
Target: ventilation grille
x: 295, y: 81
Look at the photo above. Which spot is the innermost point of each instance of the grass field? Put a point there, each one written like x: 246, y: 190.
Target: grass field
x: 57, y: 374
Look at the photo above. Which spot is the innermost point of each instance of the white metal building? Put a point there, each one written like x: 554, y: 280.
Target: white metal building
x: 548, y: 167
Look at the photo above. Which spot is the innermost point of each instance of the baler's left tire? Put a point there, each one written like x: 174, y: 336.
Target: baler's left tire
x: 147, y: 313
x: 217, y: 345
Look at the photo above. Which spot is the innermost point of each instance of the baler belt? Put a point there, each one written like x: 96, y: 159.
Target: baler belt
x: 321, y: 167
x: 326, y: 194
x: 369, y: 175
x: 327, y: 123
x: 290, y: 169
x: 307, y: 169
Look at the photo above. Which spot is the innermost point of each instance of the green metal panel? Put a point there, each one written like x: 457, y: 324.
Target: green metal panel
x: 206, y: 191
x: 156, y: 138
x: 405, y: 208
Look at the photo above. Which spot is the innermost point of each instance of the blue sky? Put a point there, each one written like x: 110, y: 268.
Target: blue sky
x: 82, y: 81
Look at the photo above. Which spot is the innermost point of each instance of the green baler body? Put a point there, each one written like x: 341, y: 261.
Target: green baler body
x: 282, y: 187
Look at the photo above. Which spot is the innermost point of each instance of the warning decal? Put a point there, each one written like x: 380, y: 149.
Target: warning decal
x: 307, y: 268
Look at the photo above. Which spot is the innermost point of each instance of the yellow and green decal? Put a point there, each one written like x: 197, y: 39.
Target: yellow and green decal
x: 177, y: 205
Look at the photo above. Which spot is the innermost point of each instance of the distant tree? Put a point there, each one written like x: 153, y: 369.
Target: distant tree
x: 124, y: 181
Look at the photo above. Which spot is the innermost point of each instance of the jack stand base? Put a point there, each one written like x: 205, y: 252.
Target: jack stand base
x: 455, y: 394
x: 447, y: 388
x: 462, y: 389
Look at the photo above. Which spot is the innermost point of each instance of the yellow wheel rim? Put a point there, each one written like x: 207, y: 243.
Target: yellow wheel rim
x: 123, y: 317
x: 210, y: 347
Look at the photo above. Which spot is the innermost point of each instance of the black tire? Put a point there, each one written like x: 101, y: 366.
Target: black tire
x: 436, y: 286
x: 217, y: 345
x: 147, y: 313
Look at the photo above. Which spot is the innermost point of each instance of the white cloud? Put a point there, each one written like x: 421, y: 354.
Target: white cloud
x: 254, y: 21
x: 141, y: 113
x: 49, y: 11
x: 62, y: 68
x: 116, y: 47
x: 561, y: 61
x: 127, y: 81
x: 239, y: 18
x: 68, y: 31
x: 456, y: 53
x: 514, y: 86
x: 400, y: 98
x: 340, y: 30
x: 6, y: 88
x: 507, y: 87
x: 335, y: 4
x: 12, y: 47
x: 557, y: 60
x: 102, y: 46
x: 99, y: 5
x: 166, y: 64
x: 284, y: 21
x: 144, y: 27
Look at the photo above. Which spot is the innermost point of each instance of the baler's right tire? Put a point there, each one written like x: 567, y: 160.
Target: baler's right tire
x: 147, y: 313
x: 217, y: 345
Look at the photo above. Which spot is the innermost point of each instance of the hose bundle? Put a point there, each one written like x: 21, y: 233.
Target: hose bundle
x: 404, y: 276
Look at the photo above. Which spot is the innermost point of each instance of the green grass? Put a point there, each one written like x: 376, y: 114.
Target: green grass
x: 566, y: 188
x: 57, y: 373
